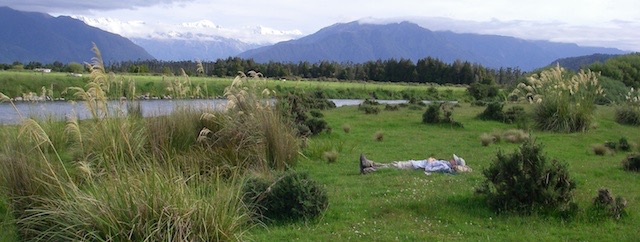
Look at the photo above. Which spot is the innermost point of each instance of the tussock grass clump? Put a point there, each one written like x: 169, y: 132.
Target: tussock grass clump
x: 515, y: 136
x: 330, y: 156
x: 151, y: 204
x: 346, y: 128
x: 487, y: 139
x: 601, y: 149
x: 564, y: 102
x: 378, y: 136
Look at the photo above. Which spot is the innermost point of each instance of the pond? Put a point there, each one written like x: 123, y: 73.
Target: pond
x: 58, y: 110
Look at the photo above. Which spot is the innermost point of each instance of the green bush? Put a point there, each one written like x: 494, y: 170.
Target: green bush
x: 524, y: 182
x: 623, y: 144
x: 391, y: 107
x: 316, y: 113
x: 631, y: 162
x: 605, y: 205
x: 316, y: 125
x: 292, y: 196
x: 432, y: 115
x: 493, y: 112
x: 627, y: 115
x: 369, y: 109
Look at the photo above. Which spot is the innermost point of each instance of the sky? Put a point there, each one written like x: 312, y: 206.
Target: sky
x: 603, y: 23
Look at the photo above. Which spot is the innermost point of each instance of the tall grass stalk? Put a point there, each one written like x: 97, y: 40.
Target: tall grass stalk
x: 564, y: 102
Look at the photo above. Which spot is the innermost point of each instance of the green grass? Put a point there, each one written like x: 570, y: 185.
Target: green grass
x: 392, y: 205
x: 17, y: 83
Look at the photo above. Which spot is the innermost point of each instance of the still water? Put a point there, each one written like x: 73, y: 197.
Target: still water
x: 58, y: 110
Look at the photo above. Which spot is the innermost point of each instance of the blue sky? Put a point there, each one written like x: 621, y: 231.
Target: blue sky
x: 607, y: 23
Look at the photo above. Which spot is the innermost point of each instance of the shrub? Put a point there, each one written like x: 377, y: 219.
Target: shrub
x: 524, y: 182
x: 370, y: 109
x: 631, y: 162
x: 391, y: 107
x: 623, y: 144
x: 604, y: 204
x: 292, y: 196
x: 346, y: 128
x: 316, y: 125
x: 432, y: 115
x: 600, y: 149
x: 378, y: 136
x: 486, y: 89
x: 517, y: 115
x: 415, y: 101
x: 627, y: 115
x: 611, y: 145
x: 493, y: 112
x: 316, y: 113
x: 370, y: 102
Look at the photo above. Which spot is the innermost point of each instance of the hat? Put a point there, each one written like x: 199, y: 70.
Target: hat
x: 459, y: 161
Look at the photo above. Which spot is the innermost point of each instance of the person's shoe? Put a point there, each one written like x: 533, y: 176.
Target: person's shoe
x: 365, y: 164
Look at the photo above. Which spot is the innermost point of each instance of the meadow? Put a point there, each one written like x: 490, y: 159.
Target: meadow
x: 22, y: 83
x: 180, y: 177
x: 400, y: 205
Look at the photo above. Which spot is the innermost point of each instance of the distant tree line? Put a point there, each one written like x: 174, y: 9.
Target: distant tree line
x: 425, y: 70
x: 392, y: 70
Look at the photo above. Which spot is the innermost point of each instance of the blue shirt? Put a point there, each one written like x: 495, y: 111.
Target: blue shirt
x: 433, y: 166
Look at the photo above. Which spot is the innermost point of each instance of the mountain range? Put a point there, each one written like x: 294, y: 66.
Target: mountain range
x: 360, y: 42
x: 30, y: 36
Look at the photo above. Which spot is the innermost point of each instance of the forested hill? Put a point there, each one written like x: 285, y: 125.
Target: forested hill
x: 358, y: 42
x: 28, y: 36
x: 625, y: 68
x: 579, y: 62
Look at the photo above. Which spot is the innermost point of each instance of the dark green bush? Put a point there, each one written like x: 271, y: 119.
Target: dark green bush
x: 316, y: 113
x: 604, y: 205
x: 369, y: 109
x: 299, y: 106
x: 610, y: 144
x: 628, y: 115
x: 623, y: 144
x: 631, y: 162
x: 391, y: 107
x: 493, y: 112
x: 416, y: 101
x: 292, y: 196
x: 524, y: 182
x: 316, y: 125
x: 486, y: 89
x: 432, y: 115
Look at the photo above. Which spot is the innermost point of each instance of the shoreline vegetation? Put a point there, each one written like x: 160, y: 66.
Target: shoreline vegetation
x: 262, y: 172
x: 32, y: 86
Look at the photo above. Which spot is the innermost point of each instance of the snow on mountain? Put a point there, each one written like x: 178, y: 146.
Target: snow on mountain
x: 198, y: 30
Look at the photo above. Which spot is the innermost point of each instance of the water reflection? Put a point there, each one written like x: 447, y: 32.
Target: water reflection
x: 59, y: 110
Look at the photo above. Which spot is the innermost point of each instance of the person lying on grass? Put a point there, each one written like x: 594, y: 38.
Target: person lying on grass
x: 456, y: 164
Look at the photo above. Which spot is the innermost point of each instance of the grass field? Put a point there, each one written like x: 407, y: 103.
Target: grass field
x: 17, y: 83
x: 392, y: 205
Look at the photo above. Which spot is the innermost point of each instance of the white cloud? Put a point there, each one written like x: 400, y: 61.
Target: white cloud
x: 612, y: 23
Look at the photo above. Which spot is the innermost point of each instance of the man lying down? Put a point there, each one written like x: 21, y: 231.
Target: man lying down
x: 456, y: 164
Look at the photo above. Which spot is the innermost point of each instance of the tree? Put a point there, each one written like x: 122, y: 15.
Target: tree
x: 75, y: 67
